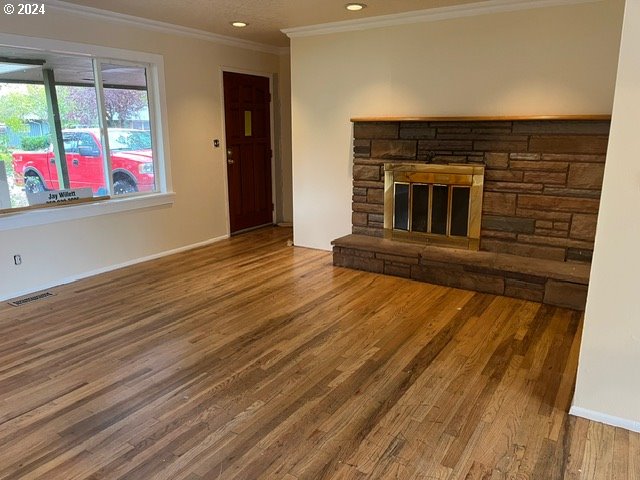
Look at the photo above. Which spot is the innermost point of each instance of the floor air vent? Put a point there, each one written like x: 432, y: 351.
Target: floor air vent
x: 18, y: 302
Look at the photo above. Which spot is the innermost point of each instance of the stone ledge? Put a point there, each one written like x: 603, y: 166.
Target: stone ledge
x: 547, y: 281
x: 569, y: 272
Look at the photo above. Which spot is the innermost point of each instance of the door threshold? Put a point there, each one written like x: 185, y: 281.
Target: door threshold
x: 245, y: 230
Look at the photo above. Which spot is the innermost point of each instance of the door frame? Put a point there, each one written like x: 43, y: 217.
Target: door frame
x: 223, y: 140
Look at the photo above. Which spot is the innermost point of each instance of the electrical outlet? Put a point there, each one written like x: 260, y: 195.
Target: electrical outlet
x: 17, y: 259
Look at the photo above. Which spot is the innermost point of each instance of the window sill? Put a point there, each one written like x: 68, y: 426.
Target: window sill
x: 31, y: 218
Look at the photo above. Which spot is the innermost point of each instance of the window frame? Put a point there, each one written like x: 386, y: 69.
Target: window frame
x: 154, y: 69
x: 104, y: 129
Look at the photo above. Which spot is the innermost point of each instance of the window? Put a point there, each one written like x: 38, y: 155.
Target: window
x: 126, y: 109
x: 23, y: 127
x: 96, y: 115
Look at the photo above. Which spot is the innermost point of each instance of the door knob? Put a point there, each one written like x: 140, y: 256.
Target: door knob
x: 230, y: 161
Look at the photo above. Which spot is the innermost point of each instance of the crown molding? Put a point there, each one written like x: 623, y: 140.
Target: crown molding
x: 428, y: 15
x: 163, y: 27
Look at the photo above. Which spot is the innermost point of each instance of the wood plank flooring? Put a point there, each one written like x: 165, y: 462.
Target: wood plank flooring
x: 249, y: 359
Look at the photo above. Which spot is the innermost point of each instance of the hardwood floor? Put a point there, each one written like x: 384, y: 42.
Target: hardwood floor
x: 250, y: 359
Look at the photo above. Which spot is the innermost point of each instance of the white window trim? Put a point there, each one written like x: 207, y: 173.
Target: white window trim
x: 157, y: 105
x: 45, y: 216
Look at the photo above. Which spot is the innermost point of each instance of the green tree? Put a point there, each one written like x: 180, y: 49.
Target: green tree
x: 19, y: 105
x: 81, y: 107
x: 77, y: 105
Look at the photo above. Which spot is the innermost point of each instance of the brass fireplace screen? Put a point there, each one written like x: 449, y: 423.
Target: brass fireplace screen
x: 439, y: 204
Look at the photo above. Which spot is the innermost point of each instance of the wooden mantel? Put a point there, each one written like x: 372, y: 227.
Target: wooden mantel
x: 506, y: 118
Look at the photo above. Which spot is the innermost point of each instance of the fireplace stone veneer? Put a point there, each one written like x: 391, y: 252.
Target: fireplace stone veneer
x: 542, y: 183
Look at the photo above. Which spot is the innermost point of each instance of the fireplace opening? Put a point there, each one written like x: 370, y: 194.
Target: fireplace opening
x: 434, y: 203
x: 437, y: 209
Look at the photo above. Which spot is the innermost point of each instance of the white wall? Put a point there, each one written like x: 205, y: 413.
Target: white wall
x: 554, y: 60
x: 284, y: 178
x: 608, y: 385
x: 194, y: 105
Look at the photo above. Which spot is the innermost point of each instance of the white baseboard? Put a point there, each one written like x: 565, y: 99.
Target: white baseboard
x: 599, y: 417
x: 91, y: 273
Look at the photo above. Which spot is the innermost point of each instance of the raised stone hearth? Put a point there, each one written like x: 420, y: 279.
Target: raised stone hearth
x: 542, y: 183
x: 548, y: 281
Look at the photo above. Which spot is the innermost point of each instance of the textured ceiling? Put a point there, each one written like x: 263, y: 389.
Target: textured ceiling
x: 265, y: 17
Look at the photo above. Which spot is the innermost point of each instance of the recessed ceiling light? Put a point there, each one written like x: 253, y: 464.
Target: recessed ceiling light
x: 239, y: 24
x: 354, y: 7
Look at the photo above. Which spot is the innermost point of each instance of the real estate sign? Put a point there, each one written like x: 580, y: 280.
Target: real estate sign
x: 58, y: 196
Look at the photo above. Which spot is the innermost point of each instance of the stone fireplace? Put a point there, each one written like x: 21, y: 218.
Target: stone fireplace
x: 537, y: 189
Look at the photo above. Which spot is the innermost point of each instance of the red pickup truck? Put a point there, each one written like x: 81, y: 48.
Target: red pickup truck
x: 131, y: 161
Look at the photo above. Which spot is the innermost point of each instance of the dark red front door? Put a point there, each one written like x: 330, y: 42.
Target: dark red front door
x: 247, y: 122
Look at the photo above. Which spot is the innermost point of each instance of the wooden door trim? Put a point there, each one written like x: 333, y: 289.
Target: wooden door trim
x: 223, y: 139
